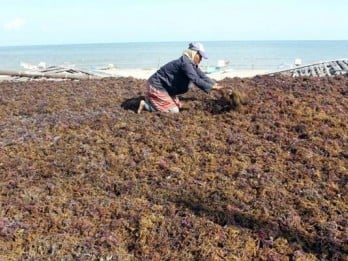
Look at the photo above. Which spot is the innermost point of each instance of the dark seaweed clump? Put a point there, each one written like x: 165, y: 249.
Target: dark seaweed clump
x: 257, y: 171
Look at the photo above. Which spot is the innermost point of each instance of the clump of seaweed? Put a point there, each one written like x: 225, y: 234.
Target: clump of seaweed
x: 234, y: 99
x: 226, y: 100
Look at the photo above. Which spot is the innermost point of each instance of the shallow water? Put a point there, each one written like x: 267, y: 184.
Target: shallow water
x: 265, y: 55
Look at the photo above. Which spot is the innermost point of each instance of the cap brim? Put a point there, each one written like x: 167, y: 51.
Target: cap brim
x: 203, y: 54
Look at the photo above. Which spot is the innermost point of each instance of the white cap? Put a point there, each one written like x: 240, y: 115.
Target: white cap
x: 196, y: 46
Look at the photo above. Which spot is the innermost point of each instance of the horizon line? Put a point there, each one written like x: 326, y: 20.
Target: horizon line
x: 176, y: 41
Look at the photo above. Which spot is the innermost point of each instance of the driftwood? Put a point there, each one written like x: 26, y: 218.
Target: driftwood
x: 321, y: 69
x: 60, y: 75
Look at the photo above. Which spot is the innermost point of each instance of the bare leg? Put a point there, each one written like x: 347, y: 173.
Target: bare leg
x: 141, y: 106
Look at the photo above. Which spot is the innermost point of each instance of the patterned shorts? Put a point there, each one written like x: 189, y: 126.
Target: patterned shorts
x: 159, y: 100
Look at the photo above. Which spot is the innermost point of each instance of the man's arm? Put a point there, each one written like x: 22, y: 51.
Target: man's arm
x: 191, y: 72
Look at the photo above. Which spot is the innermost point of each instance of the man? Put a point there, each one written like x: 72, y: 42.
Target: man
x: 174, y: 78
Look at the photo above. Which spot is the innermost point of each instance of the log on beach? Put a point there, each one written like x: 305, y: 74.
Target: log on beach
x: 322, y: 69
x: 343, y: 65
x: 62, y: 74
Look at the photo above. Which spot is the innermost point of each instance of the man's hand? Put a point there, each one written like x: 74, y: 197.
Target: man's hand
x: 216, y: 87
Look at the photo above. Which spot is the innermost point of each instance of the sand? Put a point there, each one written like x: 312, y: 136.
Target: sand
x: 146, y: 73
x: 139, y: 73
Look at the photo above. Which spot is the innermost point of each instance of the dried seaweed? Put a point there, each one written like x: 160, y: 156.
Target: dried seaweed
x: 256, y: 171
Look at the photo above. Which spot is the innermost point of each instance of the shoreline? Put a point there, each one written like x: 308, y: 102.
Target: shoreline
x: 144, y: 74
x: 319, y: 69
x: 219, y: 72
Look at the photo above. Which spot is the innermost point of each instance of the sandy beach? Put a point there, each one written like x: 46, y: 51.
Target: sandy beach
x: 143, y: 74
x: 219, y: 75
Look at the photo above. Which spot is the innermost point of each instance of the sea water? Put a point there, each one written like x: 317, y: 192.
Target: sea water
x: 246, y: 55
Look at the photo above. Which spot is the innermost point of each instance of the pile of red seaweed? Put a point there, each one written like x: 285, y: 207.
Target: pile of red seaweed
x: 83, y: 177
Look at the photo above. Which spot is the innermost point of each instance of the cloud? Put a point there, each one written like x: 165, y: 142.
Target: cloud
x: 15, y: 24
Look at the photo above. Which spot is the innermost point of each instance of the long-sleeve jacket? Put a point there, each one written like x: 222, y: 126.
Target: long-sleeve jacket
x: 175, y: 77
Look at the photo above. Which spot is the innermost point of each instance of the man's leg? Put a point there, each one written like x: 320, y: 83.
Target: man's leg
x: 144, y: 104
x: 141, y: 106
x: 174, y: 110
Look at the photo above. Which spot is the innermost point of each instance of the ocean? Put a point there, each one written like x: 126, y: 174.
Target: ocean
x: 241, y: 55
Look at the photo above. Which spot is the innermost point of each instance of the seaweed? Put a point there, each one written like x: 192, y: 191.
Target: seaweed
x: 256, y: 171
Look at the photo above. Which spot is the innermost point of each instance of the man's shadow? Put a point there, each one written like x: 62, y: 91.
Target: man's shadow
x: 132, y: 103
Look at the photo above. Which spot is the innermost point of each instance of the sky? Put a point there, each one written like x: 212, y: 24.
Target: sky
x: 39, y: 22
